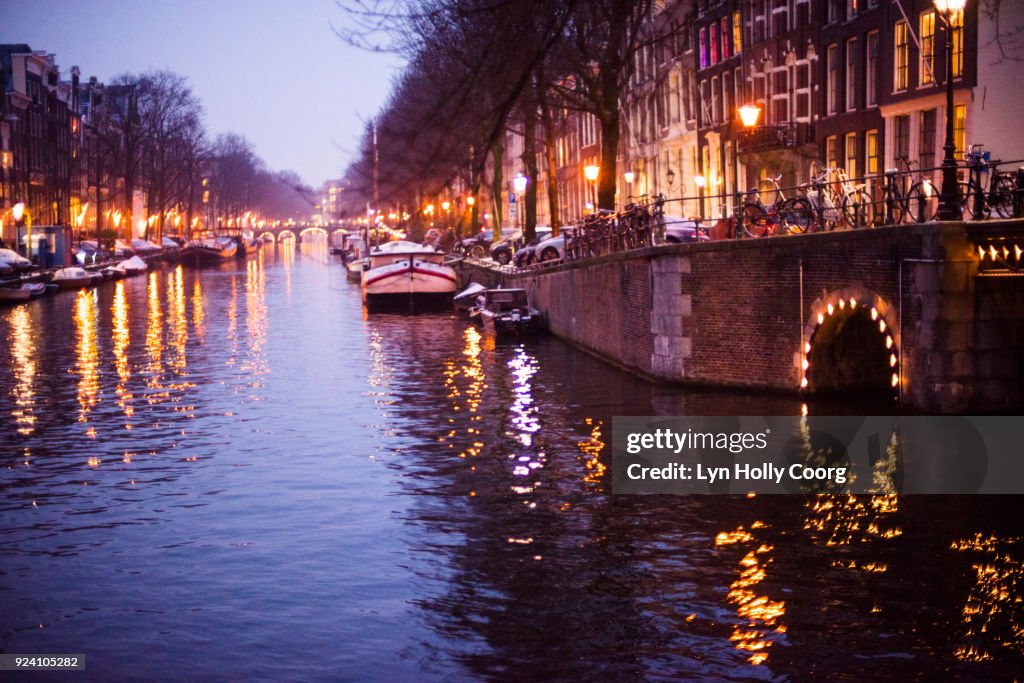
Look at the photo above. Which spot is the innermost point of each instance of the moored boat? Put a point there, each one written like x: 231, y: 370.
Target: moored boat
x: 467, y: 298
x: 407, y: 276
x: 506, y: 312
x: 133, y: 266
x: 13, y: 295
x: 214, y: 251
x: 73, y: 278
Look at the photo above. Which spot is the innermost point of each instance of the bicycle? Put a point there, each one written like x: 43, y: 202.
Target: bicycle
x: 856, y: 199
x: 823, y: 200
x: 975, y: 202
x: 785, y: 214
x: 921, y: 202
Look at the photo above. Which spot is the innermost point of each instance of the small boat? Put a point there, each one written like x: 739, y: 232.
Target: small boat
x: 13, y: 261
x: 133, y: 266
x: 73, y: 278
x: 407, y: 276
x: 34, y: 289
x: 217, y: 250
x: 506, y: 312
x: 466, y: 299
x: 115, y: 272
x: 13, y: 295
x: 247, y: 248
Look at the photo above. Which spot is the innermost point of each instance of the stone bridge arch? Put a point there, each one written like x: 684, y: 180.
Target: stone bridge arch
x: 851, y: 343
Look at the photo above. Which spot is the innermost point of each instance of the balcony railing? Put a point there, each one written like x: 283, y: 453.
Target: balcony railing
x: 780, y: 136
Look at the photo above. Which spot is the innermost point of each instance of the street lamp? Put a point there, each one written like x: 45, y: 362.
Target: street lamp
x: 519, y: 184
x: 18, y: 211
x: 749, y: 115
x: 949, y: 197
x: 591, y: 173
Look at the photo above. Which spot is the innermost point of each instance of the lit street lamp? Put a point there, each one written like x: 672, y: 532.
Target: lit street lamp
x: 18, y: 211
x: 591, y: 173
x: 519, y: 185
x: 949, y: 197
x: 749, y: 114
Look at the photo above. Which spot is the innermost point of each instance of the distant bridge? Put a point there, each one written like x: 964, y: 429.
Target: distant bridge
x: 294, y: 232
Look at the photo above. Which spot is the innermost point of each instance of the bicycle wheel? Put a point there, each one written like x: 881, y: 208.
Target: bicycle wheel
x: 755, y: 220
x: 797, y: 215
x: 921, y: 203
x: 1000, y: 197
x: 859, y: 208
x: 968, y: 200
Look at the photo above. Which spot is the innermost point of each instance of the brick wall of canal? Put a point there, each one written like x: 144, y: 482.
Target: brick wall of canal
x: 902, y: 306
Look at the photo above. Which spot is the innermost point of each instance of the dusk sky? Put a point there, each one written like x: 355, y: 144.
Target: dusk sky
x: 272, y: 71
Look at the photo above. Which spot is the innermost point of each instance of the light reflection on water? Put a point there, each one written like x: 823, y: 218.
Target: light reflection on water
x: 283, y: 487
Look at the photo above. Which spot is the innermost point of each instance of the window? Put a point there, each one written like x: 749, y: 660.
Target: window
x: 714, y: 45
x: 871, y: 73
x: 901, y: 57
x: 851, y: 74
x: 851, y: 9
x: 831, y: 151
x: 960, y: 129
x: 835, y: 11
x: 871, y: 152
x: 926, y: 144
x: 927, y: 64
x: 780, y: 17
x: 958, y: 45
x: 832, y: 92
x: 727, y: 96
x: 725, y: 37
x: 702, y: 46
x: 901, y: 137
x: 716, y: 101
x: 851, y: 155
x: 737, y: 34
x: 737, y: 81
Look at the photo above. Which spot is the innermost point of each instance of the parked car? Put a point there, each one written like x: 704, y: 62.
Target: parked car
x: 503, y: 249
x: 477, y: 245
x: 552, y: 249
x: 681, y: 230
x: 528, y: 254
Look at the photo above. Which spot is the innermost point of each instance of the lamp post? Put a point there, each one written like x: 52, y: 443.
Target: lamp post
x: 700, y: 182
x: 749, y: 114
x: 18, y: 211
x: 949, y: 197
x: 670, y: 176
x: 591, y: 173
x: 519, y: 185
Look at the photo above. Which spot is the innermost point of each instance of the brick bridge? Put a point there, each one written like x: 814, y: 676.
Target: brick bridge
x: 931, y: 315
x: 291, y: 231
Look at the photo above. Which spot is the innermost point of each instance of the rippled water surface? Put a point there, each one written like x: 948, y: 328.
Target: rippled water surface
x: 237, y: 474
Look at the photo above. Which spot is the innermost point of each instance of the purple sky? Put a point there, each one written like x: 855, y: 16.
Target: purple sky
x: 272, y: 71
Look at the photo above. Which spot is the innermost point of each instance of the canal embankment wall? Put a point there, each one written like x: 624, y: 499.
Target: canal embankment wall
x: 748, y: 313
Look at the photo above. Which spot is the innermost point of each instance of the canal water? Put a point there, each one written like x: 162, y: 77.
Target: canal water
x: 237, y: 474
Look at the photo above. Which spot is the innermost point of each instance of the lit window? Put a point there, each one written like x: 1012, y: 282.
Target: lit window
x: 737, y: 34
x: 927, y: 65
x: 851, y: 155
x: 901, y: 57
x: 702, y: 43
x: 831, y: 151
x: 960, y: 128
x: 871, y: 150
x: 725, y: 38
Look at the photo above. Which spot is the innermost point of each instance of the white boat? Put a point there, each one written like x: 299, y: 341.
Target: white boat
x: 14, y: 295
x: 133, y: 266
x: 141, y: 246
x: 72, y: 278
x: 405, y: 275
x: 13, y: 260
x: 467, y: 298
x: 214, y: 251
